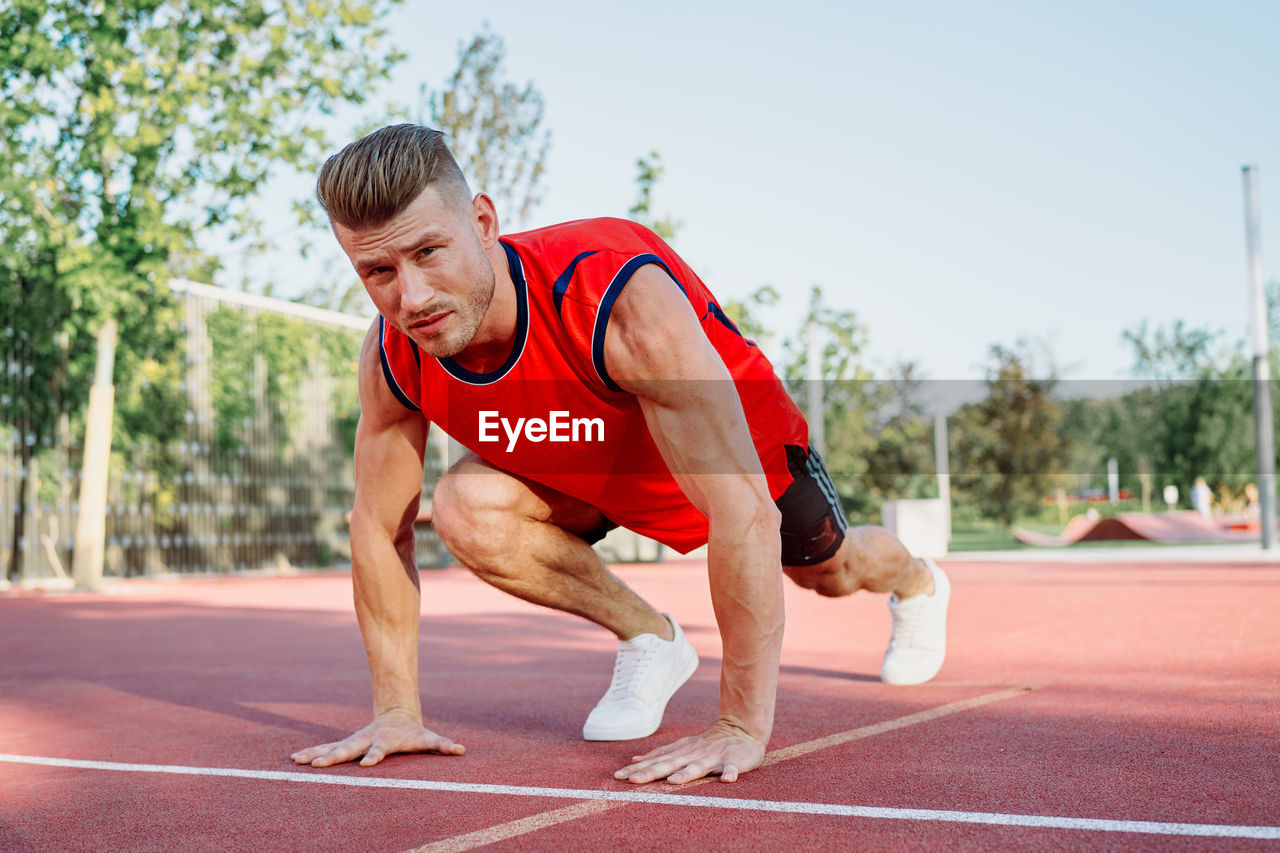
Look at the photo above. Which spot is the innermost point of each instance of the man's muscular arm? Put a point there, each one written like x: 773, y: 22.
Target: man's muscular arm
x: 656, y: 349
x: 390, y: 442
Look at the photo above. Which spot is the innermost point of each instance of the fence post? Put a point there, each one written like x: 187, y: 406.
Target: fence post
x: 942, y: 462
x: 31, y: 523
x: 91, y: 525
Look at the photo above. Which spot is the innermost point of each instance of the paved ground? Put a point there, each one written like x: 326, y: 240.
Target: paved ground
x: 1086, y: 705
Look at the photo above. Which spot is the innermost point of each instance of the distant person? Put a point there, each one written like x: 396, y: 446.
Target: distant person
x: 1252, y: 501
x: 1202, y: 498
x: 512, y: 343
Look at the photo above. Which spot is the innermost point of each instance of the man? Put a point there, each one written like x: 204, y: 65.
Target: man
x: 597, y: 383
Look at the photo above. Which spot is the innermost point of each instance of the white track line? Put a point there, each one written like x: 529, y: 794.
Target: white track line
x: 1212, y: 830
x: 564, y: 814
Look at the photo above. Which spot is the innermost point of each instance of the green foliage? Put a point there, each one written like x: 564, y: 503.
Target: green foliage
x: 842, y: 339
x: 848, y: 398
x: 878, y: 441
x: 495, y: 131
x: 258, y: 365
x: 1273, y: 312
x: 746, y: 314
x: 900, y: 461
x: 126, y: 130
x: 648, y: 170
x: 494, y: 127
x: 130, y: 127
x: 1194, y: 420
x: 1008, y: 448
x: 1173, y: 352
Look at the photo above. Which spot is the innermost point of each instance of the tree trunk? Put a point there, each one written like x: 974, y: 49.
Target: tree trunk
x: 14, y: 572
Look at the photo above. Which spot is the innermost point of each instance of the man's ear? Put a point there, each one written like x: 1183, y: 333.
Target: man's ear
x: 485, y: 218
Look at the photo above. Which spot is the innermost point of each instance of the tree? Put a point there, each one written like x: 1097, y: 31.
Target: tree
x: 746, y: 314
x: 900, y: 462
x: 1198, y: 421
x: 494, y: 128
x: 1008, y: 445
x: 128, y: 128
x: 1273, y: 313
x: 878, y: 440
x: 849, y: 397
x: 648, y: 170
x: 1173, y: 352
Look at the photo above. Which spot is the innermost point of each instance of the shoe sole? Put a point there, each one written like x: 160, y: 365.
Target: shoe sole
x: 689, y: 665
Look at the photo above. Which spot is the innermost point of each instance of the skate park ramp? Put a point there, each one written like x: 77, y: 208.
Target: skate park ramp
x: 1184, y: 526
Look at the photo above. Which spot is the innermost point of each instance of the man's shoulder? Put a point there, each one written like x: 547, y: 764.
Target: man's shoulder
x: 602, y: 234
x: 583, y: 261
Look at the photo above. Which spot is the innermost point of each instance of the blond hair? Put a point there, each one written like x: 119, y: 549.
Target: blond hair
x: 373, y: 179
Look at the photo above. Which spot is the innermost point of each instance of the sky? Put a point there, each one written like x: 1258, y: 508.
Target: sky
x: 957, y: 174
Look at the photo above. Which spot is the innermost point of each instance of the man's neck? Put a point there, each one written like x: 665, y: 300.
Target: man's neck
x: 491, y: 346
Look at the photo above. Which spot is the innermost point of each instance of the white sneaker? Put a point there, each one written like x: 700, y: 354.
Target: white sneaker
x: 919, y: 642
x: 646, y: 674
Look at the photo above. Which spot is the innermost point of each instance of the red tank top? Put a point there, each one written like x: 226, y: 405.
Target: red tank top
x: 551, y: 412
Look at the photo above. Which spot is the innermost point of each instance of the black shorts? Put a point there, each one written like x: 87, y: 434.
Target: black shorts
x: 813, y: 522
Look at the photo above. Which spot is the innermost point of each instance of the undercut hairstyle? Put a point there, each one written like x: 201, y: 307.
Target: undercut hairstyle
x: 372, y: 180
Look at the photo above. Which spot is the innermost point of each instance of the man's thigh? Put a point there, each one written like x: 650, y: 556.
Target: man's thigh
x: 473, y: 485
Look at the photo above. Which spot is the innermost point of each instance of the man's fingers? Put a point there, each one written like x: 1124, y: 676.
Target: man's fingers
x: 425, y: 740
x: 374, y: 743
x: 730, y: 754
x: 306, y: 756
x: 444, y: 746
x: 651, y: 770
x: 341, y: 752
x: 692, y: 770
x: 388, y: 743
x: 659, y: 751
x: 428, y: 741
x: 672, y: 755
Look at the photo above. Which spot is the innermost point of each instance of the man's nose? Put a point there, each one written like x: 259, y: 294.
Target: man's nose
x: 415, y: 291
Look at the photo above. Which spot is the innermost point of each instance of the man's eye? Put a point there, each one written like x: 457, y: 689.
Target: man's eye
x: 426, y: 251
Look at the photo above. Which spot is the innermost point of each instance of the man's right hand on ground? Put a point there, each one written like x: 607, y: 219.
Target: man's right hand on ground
x: 389, y: 733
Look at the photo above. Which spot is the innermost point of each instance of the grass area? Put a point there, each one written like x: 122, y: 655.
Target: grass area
x: 982, y: 538
x: 988, y: 536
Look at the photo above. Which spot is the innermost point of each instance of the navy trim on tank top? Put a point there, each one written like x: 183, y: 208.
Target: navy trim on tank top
x: 392, y: 382
x: 562, y: 282
x: 606, y: 307
x: 714, y: 310
x: 457, y: 371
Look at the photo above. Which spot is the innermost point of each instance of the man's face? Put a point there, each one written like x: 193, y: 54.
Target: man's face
x: 426, y: 271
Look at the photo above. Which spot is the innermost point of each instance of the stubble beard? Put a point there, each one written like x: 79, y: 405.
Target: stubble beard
x: 466, y: 318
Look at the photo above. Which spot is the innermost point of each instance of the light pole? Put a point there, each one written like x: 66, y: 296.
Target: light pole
x: 1261, y: 364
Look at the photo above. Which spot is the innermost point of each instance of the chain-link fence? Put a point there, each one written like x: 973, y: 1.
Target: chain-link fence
x: 257, y: 473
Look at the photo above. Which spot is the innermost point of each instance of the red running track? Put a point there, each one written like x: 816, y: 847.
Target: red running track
x: 1083, y: 706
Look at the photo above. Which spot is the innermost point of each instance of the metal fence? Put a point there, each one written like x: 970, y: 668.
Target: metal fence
x: 259, y: 475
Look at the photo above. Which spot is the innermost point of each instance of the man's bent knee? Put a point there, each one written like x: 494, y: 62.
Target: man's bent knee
x: 476, y: 512
x: 834, y: 577
x: 831, y: 583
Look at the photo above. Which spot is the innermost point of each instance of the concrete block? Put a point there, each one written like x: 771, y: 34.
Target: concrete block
x: 920, y: 524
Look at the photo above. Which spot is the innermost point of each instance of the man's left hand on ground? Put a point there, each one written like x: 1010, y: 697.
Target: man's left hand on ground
x: 725, y: 749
